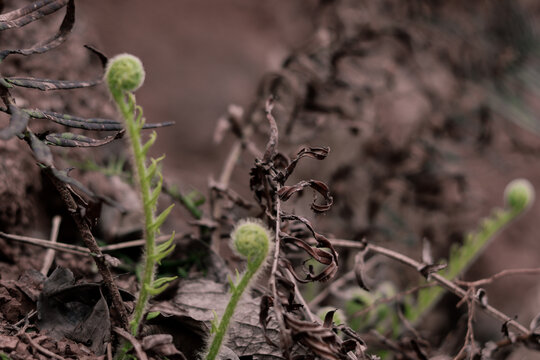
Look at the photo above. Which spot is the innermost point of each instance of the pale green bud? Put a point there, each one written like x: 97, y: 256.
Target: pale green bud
x: 519, y: 195
x: 252, y: 239
x: 124, y: 73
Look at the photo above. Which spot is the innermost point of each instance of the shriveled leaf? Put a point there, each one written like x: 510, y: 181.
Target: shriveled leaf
x: 199, y: 299
x: 481, y: 295
x: 427, y: 269
x: 49, y: 84
x: 319, y: 153
x: 359, y: 270
x: 287, y: 191
x: 17, y: 123
x: 271, y: 146
x: 104, y: 59
x: 86, y: 123
x: 329, y: 257
x: 57, y: 39
x: 322, y: 241
x: 63, y: 176
x: 321, y: 340
x: 322, y: 256
x: 74, y: 140
x: 329, y: 318
x: 42, y: 153
x: 29, y: 13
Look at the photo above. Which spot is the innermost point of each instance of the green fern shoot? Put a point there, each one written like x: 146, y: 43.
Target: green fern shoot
x: 124, y: 75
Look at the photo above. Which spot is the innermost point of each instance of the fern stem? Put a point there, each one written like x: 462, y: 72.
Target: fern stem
x: 227, y: 315
x: 133, y: 128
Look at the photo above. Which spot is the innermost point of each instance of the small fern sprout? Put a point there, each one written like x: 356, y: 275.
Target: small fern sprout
x: 252, y: 240
x: 519, y: 195
x: 125, y: 74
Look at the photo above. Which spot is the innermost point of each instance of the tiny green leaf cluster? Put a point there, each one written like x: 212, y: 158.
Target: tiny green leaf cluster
x: 125, y: 74
x: 251, y: 240
x: 518, y: 196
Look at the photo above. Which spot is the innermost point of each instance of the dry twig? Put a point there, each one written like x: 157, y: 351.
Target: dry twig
x: 141, y: 355
x: 440, y: 280
x: 91, y: 244
x: 41, y: 349
x: 497, y: 276
x: 49, y: 256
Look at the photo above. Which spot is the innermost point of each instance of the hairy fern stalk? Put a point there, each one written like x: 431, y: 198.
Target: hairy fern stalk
x: 519, y: 196
x: 124, y: 75
x: 250, y: 240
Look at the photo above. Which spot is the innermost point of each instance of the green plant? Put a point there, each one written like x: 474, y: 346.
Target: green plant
x: 518, y: 195
x: 251, y: 240
x: 125, y: 74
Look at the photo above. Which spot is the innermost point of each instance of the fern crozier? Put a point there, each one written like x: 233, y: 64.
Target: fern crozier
x: 124, y: 73
x: 519, y: 195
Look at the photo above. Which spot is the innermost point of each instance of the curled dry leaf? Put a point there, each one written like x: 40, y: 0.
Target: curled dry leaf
x: 48, y: 84
x: 481, y: 295
x: 359, y: 270
x: 96, y: 124
x: 287, y: 191
x: 319, y: 153
x: 17, y: 123
x: 75, y: 140
x: 41, y: 152
x: 29, y: 13
x: 57, y: 39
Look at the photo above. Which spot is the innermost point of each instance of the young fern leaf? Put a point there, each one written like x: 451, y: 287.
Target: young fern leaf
x: 152, y: 201
x: 161, y: 218
x: 252, y: 241
x: 148, y: 144
x: 124, y: 75
x: 519, y: 196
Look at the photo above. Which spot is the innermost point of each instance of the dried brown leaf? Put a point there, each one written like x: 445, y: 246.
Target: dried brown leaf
x: 30, y: 13
x: 56, y: 40
x: 17, y: 123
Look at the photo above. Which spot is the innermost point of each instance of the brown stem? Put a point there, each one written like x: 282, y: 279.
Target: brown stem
x: 499, y: 275
x: 442, y: 281
x: 41, y: 349
x: 49, y: 255
x: 141, y: 355
x: 91, y: 244
x: 278, y: 307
